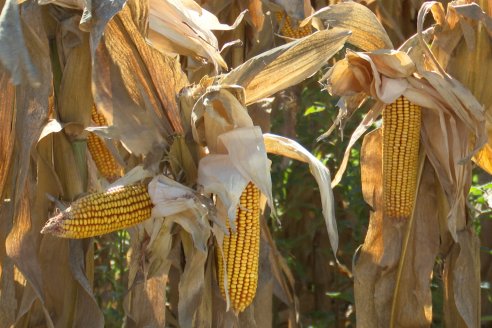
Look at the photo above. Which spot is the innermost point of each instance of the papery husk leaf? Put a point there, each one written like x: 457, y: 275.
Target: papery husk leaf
x: 179, y: 204
x: 119, y: 91
x: 52, y: 126
x: 87, y: 312
x: 75, y: 96
x: 132, y: 125
x: 219, y: 230
x: 282, y: 274
x: 96, y: 17
x: 473, y: 11
x: 248, y: 155
x: 287, y: 65
x: 365, y: 124
x: 463, y: 57
x: 27, y: 118
x: 380, y: 73
x: 462, y: 282
x: 181, y: 160
x: 24, y: 243
x: 137, y: 174
x: 185, y: 28
x: 450, y: 147
x: 191, y: 283
x: 159, y: 247
x: 7, y: 135
x: 219, y: 110
x: 286, y: 147
x: 367, y: 32
x: 146, y: 306
x: 149, y: 265
x: 204, y: 313
x: 218, y: 175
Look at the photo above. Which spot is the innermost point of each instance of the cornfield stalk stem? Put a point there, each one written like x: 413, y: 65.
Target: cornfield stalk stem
x: 406, y: 239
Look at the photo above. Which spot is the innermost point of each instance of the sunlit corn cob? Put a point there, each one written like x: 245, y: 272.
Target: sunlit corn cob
x: 102, y: 212
x: 401, y: 140
x: 104, y: 160
x: 242, y: 251
x: 290, y: 28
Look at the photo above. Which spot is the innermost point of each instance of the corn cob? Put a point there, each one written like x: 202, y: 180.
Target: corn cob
x: 102, y: 212
x: 401, y: 140
x: 104, y: 160
x: 242, y: 251
x: 290, y: 28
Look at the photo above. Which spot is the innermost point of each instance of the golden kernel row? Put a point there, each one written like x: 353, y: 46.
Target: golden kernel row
x: 401, y: 140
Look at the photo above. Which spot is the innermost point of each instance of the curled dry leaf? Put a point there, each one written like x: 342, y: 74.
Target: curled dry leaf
x: 289, y: 148
x: 457, y: 58
x: 237, y: 156
x: 228, y: 174
x: 180, y: 205
x: 185, y: 28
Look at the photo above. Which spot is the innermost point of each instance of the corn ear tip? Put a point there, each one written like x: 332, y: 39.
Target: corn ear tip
x: 54, y: 225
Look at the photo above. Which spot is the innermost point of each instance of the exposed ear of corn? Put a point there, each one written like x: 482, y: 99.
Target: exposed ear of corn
x: 105, y: 162
x: 103, y: 212
x: 290, y: 28
x: 401, y: 140
x: 242, y: 251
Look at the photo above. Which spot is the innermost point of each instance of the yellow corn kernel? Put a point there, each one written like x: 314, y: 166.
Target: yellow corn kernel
x: 105, y: 162
x: 401, y: 141
x: 290, y: 28
x: 242, y: 251
x: 102, y: 212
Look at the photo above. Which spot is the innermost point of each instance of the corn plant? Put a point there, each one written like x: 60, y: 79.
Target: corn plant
x: 107, y: 132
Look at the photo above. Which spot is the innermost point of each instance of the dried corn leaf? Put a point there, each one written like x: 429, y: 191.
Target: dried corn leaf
x: 289, y: 148
x: 147, y: 304
x: 226, y: 175
x: 75, y: 96
x: 186, y: 28
x: 192, y: 280
x: 28, y: 116
x: 181, y: 160
x: 367, y: 33
x: 7, y: 134
x: 131, y: 76
x: 220, y: 109
x: 179, y: 204
x: 458, y: 57
x: 287, y: 65
x: 462, y: 282
x: 16, y: 58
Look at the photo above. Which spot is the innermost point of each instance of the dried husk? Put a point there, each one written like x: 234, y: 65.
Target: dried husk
x: 287, y: 65
x: 186, y: 29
